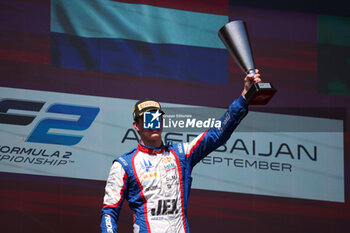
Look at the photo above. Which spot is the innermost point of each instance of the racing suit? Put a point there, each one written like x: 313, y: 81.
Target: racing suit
x: 157, y: 181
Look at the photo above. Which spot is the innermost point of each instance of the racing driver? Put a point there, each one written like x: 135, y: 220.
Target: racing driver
x: 155, y: 178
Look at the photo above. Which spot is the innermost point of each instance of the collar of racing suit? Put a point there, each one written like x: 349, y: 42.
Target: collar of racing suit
x: 150, y: 150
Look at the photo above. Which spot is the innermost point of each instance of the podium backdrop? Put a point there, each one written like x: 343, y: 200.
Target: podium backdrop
x: 71, y: 71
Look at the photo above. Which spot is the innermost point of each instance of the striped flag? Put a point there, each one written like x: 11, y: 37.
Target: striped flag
x: 161, y: 39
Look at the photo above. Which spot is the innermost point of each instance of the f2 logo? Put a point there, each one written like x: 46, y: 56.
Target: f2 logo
x: 41, y: 133
x: 14, y: 119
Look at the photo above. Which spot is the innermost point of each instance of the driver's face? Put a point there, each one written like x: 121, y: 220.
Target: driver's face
x: 149, y: 135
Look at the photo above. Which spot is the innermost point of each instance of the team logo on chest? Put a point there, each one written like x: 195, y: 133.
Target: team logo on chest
x: 149, y: 173
x: 146, y: 165
x: 168, y: 164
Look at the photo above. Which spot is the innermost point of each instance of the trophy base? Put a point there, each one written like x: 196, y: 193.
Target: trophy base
x: 260, y: 93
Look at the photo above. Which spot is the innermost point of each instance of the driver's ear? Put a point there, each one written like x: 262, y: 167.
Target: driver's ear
x: 137, y: 124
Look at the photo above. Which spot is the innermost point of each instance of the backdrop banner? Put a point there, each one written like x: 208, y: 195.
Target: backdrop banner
x: 78, y: 136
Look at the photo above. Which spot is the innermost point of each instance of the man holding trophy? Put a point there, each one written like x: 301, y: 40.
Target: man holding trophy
x: 155, y: 177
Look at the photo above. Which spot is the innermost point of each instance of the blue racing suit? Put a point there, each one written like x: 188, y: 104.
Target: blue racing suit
x: 157, y: 181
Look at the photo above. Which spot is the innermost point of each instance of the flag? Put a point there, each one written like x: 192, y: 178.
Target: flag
x: 139, y: 39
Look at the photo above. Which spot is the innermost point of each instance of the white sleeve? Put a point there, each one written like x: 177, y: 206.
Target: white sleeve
x: 115, y: 186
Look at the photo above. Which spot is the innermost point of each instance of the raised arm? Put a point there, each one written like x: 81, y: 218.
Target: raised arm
x: 212, y: 138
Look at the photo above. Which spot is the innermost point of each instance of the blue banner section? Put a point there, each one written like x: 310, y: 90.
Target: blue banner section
x: 139, y: 58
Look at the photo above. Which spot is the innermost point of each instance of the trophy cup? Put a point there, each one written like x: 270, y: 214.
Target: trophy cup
x: 235, y: 37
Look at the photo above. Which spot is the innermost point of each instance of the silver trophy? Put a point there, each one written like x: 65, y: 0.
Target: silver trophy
x: 235, y: 37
